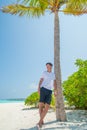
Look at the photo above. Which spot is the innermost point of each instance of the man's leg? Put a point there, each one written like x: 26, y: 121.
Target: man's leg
x: 41, y: 108
x: 43, y: 114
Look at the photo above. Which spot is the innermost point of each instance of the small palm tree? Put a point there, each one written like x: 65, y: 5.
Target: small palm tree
x: 36, y: 8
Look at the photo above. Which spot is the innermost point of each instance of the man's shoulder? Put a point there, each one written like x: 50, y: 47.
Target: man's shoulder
x: 53, y: 73
x: 44, y: 71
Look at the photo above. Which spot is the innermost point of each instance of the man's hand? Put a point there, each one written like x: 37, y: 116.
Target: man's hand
x: 39, y: 91
x: 40, y: 82
x: 55, y: 93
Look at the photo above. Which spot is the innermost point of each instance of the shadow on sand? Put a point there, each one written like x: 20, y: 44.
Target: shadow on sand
x: 61, y: 126
x: 35, y: 128
x: 31, y: 108
x: 77, y: 116
x: 35, y: 108
x: 76, y: 119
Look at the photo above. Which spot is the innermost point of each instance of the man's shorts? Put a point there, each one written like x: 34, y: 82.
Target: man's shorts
x: 45, y: 95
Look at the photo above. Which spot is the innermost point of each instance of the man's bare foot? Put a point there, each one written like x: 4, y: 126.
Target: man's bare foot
x: 42, y: 122
x: 39, y: 125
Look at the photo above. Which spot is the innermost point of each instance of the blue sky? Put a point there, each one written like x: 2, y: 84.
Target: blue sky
x: 26, y: 44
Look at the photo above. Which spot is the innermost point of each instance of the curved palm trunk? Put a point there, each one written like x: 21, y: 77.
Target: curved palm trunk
x: 60, y: 112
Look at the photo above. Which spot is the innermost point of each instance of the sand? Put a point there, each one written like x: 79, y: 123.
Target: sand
x: 16, y: 116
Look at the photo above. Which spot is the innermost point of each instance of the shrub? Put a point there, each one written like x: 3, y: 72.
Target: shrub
x: 33, y: 99
x: 75, y: 87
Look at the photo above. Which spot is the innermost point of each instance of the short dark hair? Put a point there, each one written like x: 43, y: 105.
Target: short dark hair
x: 49, y: 64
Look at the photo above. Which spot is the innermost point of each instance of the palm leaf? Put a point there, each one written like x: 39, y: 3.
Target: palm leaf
x: 23, y: 10
x: 27, y: 7
x: 36, y: 2
x: 62, y: 2
x: 57, y: 5
x: 76, y: 7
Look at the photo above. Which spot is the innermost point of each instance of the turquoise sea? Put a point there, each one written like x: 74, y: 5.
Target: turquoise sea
x: 11, y: 100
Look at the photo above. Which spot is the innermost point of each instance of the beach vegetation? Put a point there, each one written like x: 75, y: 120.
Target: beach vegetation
x: 75, y: 87
x: 32, y: 99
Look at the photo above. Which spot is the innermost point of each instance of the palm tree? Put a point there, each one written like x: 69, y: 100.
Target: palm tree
x: 36, y: 8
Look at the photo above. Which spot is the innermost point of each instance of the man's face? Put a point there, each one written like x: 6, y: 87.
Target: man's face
x: 49, y: 67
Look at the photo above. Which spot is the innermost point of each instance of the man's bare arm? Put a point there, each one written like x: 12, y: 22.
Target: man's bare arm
x: 40, y: 82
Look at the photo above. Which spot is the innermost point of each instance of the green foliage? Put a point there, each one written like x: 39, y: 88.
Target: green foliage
x: 33, y: 100
x: 36, y: 8
x: 75, y: 87
x: 22, y: 10
x: 76, y: 7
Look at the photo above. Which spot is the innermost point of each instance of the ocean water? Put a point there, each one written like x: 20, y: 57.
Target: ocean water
x: 11, y: 100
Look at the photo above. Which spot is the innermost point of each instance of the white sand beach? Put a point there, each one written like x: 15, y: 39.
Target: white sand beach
x: 16, y: 116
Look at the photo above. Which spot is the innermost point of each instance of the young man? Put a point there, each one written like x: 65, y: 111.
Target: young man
x: 46, y: 84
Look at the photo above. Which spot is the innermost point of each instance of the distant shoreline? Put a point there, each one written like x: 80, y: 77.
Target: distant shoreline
x: 18, y: 100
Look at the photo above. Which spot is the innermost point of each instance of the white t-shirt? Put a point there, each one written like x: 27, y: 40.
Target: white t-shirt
x: 48, y: 81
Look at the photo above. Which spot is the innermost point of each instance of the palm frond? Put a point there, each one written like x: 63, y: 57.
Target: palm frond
x: 39, y: 3
x: 23, y: 10
x: 48, y: 2
x: 28, y: 7
x: 35, y: 2
x: 62, y: 3
x: 76, y: 7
